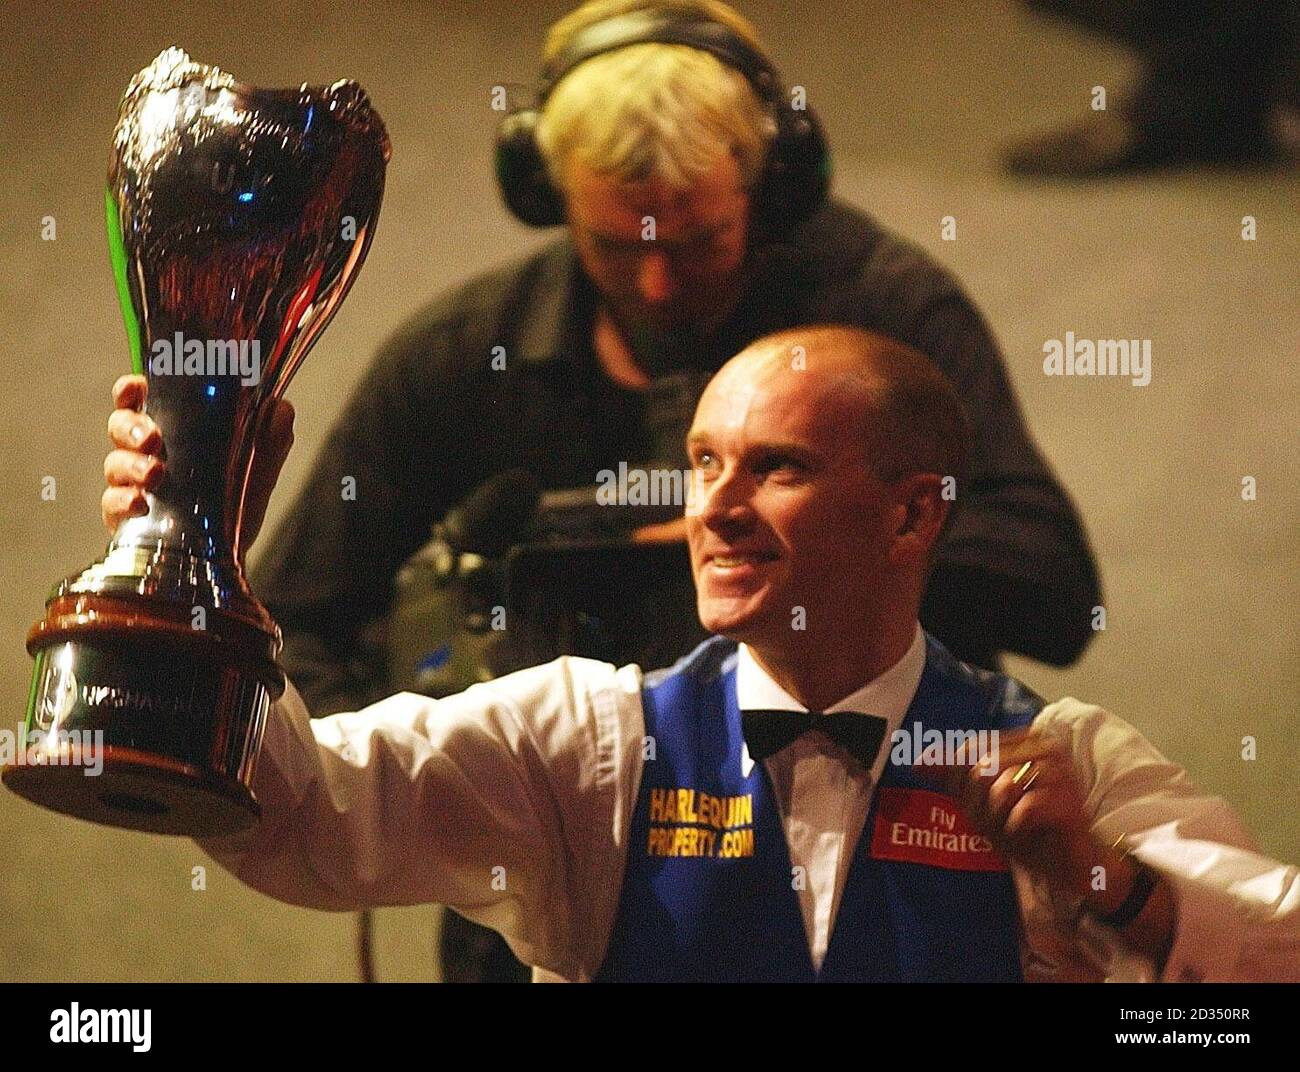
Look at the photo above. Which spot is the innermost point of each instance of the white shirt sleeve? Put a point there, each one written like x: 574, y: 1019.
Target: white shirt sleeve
x: 500, y: 802
x: 1237, y: 911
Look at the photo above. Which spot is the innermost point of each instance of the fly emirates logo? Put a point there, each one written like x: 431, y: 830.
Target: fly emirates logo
x: 923, y: 827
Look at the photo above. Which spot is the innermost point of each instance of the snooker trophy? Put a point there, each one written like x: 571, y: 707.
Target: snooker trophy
x: 238, y: 218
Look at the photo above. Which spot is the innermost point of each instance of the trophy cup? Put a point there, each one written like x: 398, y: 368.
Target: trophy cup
x: 238, y: 218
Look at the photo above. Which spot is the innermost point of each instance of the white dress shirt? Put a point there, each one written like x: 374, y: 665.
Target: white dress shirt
x: 823, y: 793
x: 512, y: 802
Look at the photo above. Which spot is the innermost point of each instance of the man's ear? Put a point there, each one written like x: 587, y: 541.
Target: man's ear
x: 921, y: 509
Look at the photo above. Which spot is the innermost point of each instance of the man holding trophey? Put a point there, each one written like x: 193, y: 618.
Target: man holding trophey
x: 741, y: 816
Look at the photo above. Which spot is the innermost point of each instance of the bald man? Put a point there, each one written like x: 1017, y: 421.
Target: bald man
x: 818, y: 792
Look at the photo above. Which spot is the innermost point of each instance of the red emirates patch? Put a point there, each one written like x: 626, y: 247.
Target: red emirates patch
x: 920, y: 826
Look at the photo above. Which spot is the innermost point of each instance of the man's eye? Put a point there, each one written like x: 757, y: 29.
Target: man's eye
x: 780, y: 463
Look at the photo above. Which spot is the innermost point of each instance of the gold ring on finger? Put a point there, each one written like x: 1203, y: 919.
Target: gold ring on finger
x: 1026, y: 776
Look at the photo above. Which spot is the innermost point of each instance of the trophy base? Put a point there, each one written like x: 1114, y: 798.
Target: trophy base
x: 135, y: 791
x: 137, y: 721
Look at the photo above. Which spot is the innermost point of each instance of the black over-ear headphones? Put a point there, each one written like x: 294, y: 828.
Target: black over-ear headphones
x: 797, y: 169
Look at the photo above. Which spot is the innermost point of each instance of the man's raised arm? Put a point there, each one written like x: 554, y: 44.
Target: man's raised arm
x: 469, y: 801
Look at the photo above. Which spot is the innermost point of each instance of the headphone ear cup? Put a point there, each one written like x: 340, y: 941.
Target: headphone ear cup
x: 798, y: 171
x: 521, y: 172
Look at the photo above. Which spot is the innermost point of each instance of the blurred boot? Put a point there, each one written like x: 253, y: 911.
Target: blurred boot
x: 1111, y: 143
x: 1213, y: 73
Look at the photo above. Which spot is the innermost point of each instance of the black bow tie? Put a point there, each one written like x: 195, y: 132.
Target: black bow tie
x: 767, y: 732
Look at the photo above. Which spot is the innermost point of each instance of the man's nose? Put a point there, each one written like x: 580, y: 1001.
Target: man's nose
x: 723, y: 503
x: 656, y: 280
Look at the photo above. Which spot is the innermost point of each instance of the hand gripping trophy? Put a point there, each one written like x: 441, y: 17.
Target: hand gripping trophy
x: 238, y: 219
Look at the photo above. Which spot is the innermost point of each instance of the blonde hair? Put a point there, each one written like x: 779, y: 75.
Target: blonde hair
x: 652, y: 110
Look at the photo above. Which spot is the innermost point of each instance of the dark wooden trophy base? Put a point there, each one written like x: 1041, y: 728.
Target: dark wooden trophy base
x: 138, y: 720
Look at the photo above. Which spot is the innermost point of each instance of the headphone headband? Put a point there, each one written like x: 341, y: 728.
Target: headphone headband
x: 662, y: 27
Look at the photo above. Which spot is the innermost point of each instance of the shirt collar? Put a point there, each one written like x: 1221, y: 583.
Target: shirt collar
x: 555, y: 322
x: 888, y: 695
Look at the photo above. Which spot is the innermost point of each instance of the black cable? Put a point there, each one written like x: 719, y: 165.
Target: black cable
x: 365, y: 946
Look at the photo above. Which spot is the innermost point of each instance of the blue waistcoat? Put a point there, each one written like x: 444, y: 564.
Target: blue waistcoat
x: 709, y: 894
